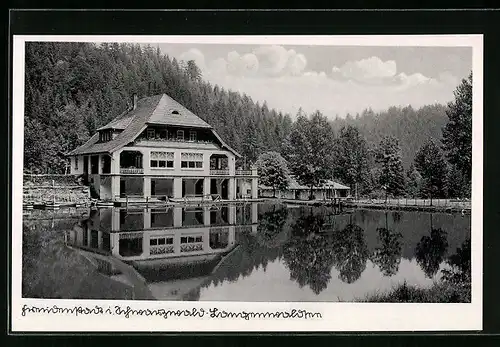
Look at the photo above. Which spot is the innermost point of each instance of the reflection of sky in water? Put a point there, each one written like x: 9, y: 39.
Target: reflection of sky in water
x: 274, y: 284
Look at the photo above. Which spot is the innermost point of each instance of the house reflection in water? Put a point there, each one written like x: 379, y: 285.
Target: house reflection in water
x: 174, y: 249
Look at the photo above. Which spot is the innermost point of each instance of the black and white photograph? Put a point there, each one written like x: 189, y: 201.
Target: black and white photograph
x: 287, y: 170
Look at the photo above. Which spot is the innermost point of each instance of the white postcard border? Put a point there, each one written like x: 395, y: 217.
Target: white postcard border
x: 335, y: 316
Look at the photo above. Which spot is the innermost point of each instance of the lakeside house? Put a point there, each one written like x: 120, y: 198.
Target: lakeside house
x: 159, y: 148
x: 295, y: 191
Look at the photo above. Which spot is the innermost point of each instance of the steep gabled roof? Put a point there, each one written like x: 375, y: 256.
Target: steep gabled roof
x: 170, y: 112
x: 157, y: 109
x: 120, y: 122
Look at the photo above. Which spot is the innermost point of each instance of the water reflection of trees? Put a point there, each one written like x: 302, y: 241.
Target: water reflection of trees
x: 387, y: 255
x: 310, y: 255
x: 351, y: 253
x: 431, y: 250
x: 460, y: 265
x: 271, y: 227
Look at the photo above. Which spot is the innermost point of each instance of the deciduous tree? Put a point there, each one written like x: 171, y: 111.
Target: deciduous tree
x: 351, y: 158
x: 431, y: 164
x: 388, y: 156
x: 273, y: 171
x: 413, y: 181
x: 457, y: 134
x: 309, y: 150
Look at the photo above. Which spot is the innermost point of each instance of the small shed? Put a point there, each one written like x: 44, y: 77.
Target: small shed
x: 295, y: 191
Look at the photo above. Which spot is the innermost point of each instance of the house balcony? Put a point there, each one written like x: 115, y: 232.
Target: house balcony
x: 243, y: 172
x: 220, y: 172
x: 131, y: 171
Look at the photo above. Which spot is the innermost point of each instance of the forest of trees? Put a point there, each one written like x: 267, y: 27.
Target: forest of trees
x: 71, y: 89
x: 315, y: 151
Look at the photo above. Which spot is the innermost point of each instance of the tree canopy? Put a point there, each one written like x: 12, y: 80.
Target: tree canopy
x: 351, y: 157
x: 457, y: 133
x: 309, y: 149
x: 431, y: 164
x: 388, y: 156
x: 273, y: 171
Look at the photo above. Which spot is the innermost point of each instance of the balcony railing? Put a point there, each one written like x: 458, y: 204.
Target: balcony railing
x: 243, y: 172
x: 124, y: 170
x: 222, y: 172
x: 161, y: 249
x: 173, y: 139
x: 191, y: 247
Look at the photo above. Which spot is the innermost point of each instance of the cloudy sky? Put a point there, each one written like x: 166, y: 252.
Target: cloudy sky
x: 332, y: 79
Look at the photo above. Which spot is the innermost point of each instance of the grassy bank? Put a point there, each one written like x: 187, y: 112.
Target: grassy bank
x: 51, y: 270
x: 439, y: 292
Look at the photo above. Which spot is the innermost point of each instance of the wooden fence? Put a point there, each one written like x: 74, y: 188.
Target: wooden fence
x: 416, y: 202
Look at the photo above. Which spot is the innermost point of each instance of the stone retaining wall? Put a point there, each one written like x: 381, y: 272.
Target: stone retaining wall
x: 63, y: 189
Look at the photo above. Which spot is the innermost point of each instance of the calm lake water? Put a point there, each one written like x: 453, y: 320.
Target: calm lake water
x: 261, y: 252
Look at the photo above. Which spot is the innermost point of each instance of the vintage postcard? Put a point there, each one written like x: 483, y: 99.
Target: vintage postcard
x: 247, y: 183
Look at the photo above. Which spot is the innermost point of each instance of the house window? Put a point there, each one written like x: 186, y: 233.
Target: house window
x: 192, y: 136
x: 180, y: 135
x: 191, y: 239
x: 76, y: 163
x: 105, y: 136
x: 161, y: 241
x: 162, y: 160
x: 191, y: 160
x: 151, y: 133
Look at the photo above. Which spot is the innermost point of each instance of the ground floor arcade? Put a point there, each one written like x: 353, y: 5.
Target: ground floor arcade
x: 114, y: 187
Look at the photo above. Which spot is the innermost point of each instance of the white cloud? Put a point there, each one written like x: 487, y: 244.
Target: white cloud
x: 408, y: 81
x: 273, y: 59
x: 246, y: 64
x: 366, y: 69
x: 196, y: 55
x: 315, y: 91
x: 296, y: 64
x: 315, y: 74
x: 264, y: 61
x: 279, y: 77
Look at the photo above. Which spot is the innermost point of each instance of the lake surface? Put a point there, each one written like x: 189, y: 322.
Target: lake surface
x: 259, y: 252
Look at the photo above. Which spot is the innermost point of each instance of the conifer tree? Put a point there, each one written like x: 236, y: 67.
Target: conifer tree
x: 391, y: 177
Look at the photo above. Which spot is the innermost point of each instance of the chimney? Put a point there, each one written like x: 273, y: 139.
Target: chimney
x: 135, y: 102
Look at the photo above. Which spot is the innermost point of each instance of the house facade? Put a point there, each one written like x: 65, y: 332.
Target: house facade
x: 158, y: 148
